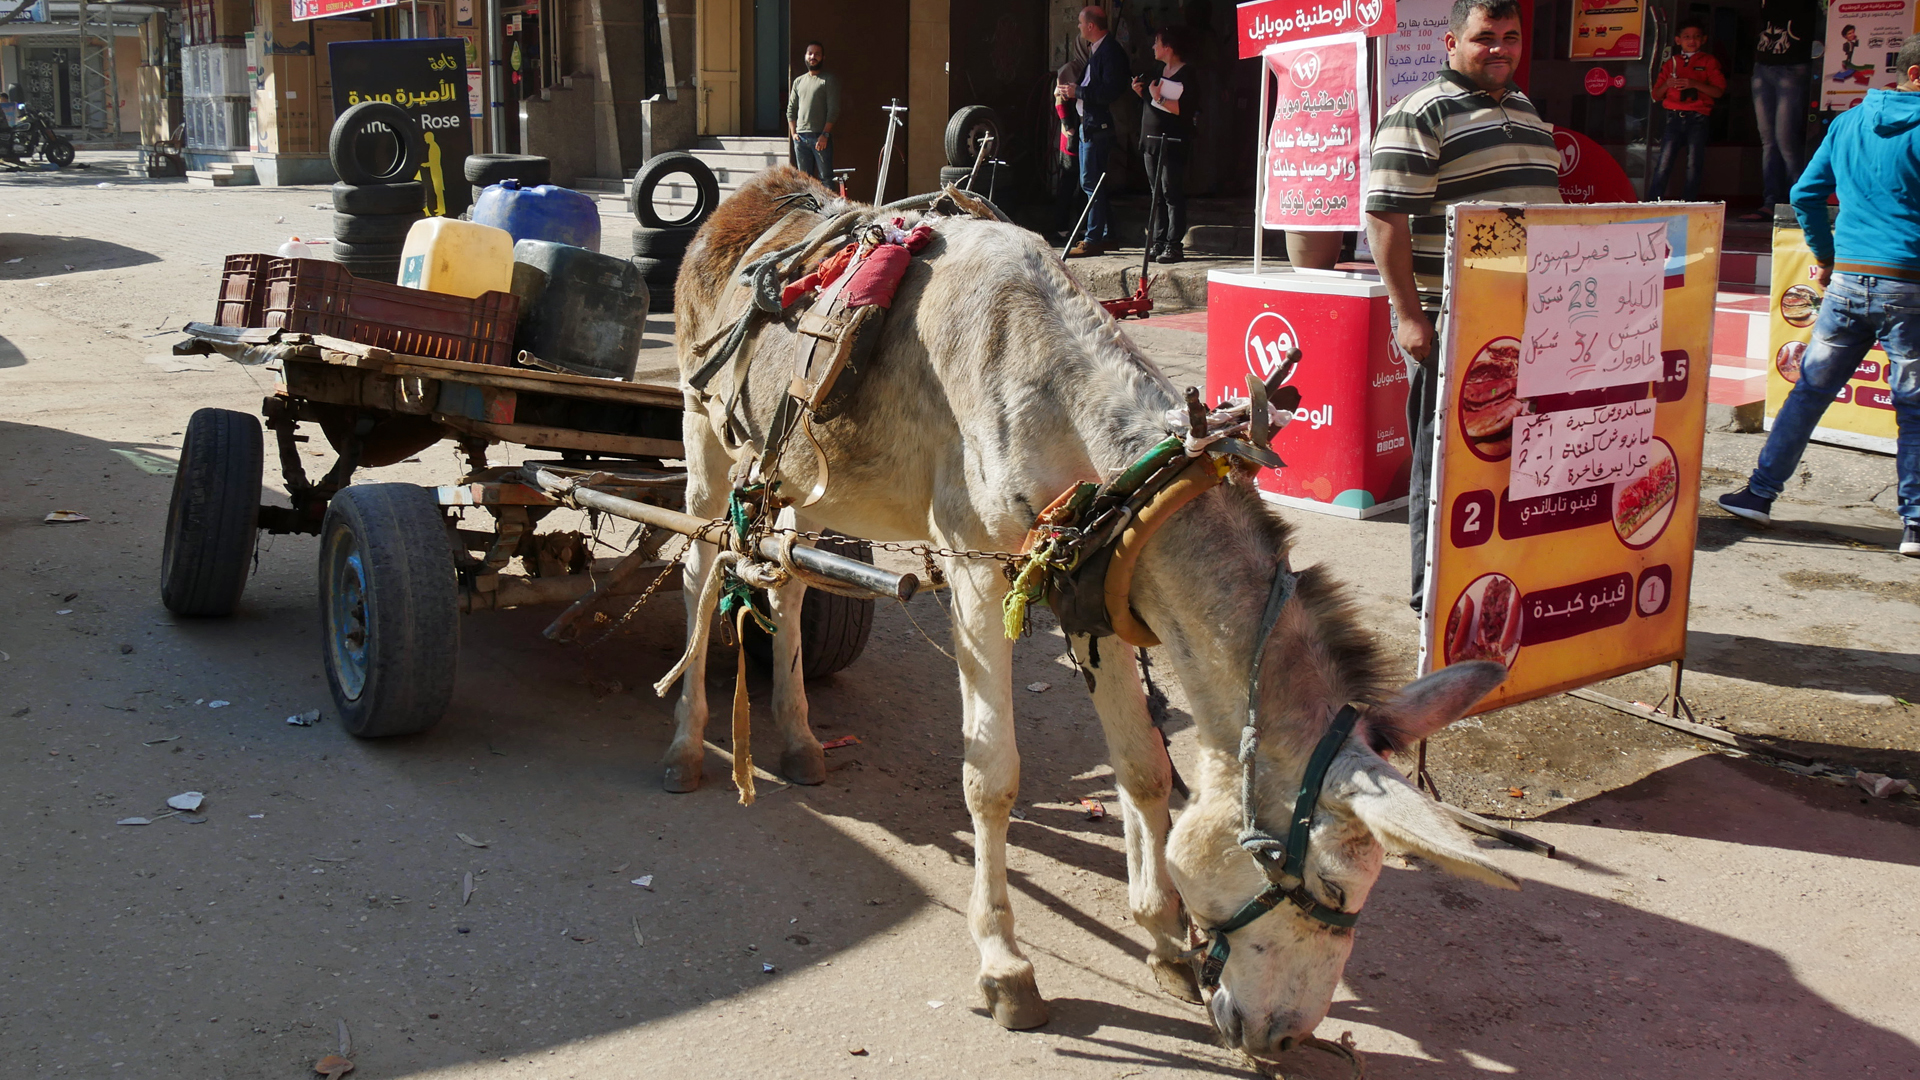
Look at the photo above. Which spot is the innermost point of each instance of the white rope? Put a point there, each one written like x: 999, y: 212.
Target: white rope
x: 702, y: 622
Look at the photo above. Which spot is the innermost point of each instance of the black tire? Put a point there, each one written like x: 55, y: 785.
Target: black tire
x: 212, y: 519
x: 666, y: 245
x: 59, y: 151
x: 389, y: 609
x: 964, y: 130
x: 833, y: 628
x: 658, y: 168
x: 405, y: 197
x: 485, y: 169
x: 373, y: 228
x: 659, y: 274
x: 387, y: 270
x: 351, y: 131
x: 365, y: 252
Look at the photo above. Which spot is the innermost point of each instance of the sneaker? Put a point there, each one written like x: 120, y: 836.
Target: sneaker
x: 1910, y: 541
x: 1746, y: 504
x: 1173, y: 253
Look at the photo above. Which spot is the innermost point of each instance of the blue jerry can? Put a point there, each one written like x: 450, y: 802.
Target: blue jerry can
x: 548, y: 212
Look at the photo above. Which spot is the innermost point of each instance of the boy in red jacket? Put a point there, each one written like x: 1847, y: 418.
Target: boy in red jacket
x: 1687, y: 85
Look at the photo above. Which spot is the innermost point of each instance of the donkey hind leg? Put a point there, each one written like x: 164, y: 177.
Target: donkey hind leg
x: 991, y: 777
x: 1144, y: 777
x: 707, y: 486
x: 801, y: 759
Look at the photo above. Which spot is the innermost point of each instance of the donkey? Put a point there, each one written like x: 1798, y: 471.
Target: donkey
x: 998, y: 383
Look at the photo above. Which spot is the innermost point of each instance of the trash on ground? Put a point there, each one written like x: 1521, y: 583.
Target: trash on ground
x: 157, y: 742
x: 216, y: 703
x: 767, y: 969
x: 65, y: 517
x: 346, y: 1039
x: 64, y: 611
x: 1039, y: 687
x: 466, y: 889
x: 1095, y: 811
x: 256, y: 817
x: 470, y: 841
x: 1019, y: 814
x: 637, y: 939
x: 935, y: 1004
x: 333, y: 1065
x: 1881, y: 786
x: 187, y: 800
x: 844, y: 740
x: 857, y: 1051
x: 645, y: 881
x: 1515, y: 793
x: 193, y: 819
x: 305, y: 719
x: 619, y: 868
x: 134, y: 821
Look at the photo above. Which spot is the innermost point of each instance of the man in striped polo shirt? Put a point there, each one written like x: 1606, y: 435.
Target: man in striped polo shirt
x: 1468, y: 135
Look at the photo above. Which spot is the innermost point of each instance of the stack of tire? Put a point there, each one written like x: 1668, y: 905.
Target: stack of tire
x: 376, y: 200
x: 485, y: 170
x: 660, y: 241
x: 967, y: 129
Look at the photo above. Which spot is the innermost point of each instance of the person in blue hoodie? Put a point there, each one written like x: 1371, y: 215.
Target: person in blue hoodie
x: 1870, y: 266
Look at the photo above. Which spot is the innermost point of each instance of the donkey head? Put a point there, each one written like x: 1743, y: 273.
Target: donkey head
x: 1282, y: 967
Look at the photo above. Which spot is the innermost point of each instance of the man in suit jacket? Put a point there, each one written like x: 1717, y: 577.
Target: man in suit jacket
x: 1106, y: 79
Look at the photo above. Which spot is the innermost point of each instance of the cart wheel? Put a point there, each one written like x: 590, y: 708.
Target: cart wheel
x: 211, y: 520
x: 833, y: 628
x: 389, y: 609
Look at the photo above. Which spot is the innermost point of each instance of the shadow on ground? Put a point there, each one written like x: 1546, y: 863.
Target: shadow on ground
x: 50, y: 256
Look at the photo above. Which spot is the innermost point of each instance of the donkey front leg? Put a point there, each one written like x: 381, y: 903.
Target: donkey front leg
x: 1144, y: 776
x: 707, y: 486
x: 991, y: 777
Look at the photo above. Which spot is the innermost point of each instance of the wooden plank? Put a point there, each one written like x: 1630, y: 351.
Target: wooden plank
x: 563, y: 439
x: 1711, y: 734
x: 533, y: 380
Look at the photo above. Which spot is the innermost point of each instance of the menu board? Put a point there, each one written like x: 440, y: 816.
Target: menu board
x: 1861, y: 415
x: 1606, y: 30
x: 1416, y: 50
x: 1316, y: 160
x: 1863, y: 41
x: 1263, y: 23
x: 1572, y: 412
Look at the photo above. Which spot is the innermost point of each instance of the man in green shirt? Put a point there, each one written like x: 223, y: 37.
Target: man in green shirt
x: 812, y: 108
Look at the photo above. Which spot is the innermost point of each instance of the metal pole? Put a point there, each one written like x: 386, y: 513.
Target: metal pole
x: 496, y: 122
x: 1260, y: 162
x: 893, y: 110
x: 1084, y: 211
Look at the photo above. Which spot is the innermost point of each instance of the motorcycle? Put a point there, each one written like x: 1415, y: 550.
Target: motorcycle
x: 32, y: 134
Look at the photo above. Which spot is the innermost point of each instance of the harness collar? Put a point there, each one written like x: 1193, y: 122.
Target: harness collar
x: 1284, y: 862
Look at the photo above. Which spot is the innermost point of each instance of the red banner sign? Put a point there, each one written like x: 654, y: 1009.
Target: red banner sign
x: 1270, y: 22
x: 1317, y: 147
x: 320, y: 9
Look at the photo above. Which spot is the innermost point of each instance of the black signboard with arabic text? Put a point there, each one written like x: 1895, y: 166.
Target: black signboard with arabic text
x: 427, y: 77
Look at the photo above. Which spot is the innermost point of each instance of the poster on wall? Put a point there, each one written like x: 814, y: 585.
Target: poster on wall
x: 1861, y: 415
x: 1316, y: 161
x: 1262, y: 23
x: 1415, y: 51
x: 1606, y: 30
x: 321, y: 9
x: 427, y: 77
x: 1863, y: 38
x: 1572, y: 415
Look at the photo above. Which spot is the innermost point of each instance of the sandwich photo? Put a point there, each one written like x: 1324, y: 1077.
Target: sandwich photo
x: 1799, y: 305
x: 1485, y: 622
x: 1646, y: 503
x: 1787, y: 360
x: 1489, y: 398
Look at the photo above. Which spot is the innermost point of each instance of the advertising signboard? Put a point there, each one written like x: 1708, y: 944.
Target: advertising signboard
x: 1415, y: 51
x: 320, y: 9
x: 1863, y: 37
x: 1861, y: 415
x: 1572, y: 415
x: 1261, y: 23
x: 428, y: 78
x: 1316, y: 161
x: 1606, y: 30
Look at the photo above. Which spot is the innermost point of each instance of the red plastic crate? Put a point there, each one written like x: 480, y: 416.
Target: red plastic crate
x: 313, y: 296
x: 243, y: 291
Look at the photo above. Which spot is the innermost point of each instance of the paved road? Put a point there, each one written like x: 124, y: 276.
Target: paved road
x: 1709, y: 917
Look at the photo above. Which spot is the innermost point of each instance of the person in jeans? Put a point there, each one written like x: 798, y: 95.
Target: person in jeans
x: 1468, y: 135
x: 1687, y: 86
x: 1168, y: 101
x: 812, y: 109
x: 1870, y: 266
x: 1105, y: 79
x: 1782, y: 65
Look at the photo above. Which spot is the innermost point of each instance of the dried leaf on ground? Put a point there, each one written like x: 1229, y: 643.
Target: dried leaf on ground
x: 844, y: 740
x: 65, y: 517
x: 470, y: 841
x: 466, y: 889
x: 333, y: 1065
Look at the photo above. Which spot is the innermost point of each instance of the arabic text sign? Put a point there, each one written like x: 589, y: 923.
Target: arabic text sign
x: 320, y: 9
x: 1269, y: 22
x: 1317, y: 144
x: 1606, y: 30
x: 1561, y: 531
x: 1416, y: 50
x: 426, y: 77
x: 1594, y: 307
x: 1863, y: 41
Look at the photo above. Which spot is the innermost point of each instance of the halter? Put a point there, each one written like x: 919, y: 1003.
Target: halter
x: 1284, y: 862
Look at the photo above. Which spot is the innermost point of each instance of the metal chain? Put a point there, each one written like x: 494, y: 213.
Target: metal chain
x: 925, y: 551
x: 665, y: 572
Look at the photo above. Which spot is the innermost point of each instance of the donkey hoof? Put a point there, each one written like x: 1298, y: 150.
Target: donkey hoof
x: 1175, y: 978
x: 806, y: 765
x: 1015, y: 1001
x: 681, y: 777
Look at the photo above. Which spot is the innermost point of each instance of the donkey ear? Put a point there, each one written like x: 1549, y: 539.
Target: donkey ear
x: 1403, y: 819
x: 1426, y: 705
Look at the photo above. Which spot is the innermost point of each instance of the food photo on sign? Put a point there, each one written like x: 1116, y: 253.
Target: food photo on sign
x: 1567, y: 459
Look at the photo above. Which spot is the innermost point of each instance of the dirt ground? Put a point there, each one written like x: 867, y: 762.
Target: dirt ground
x: 1707, y: 915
